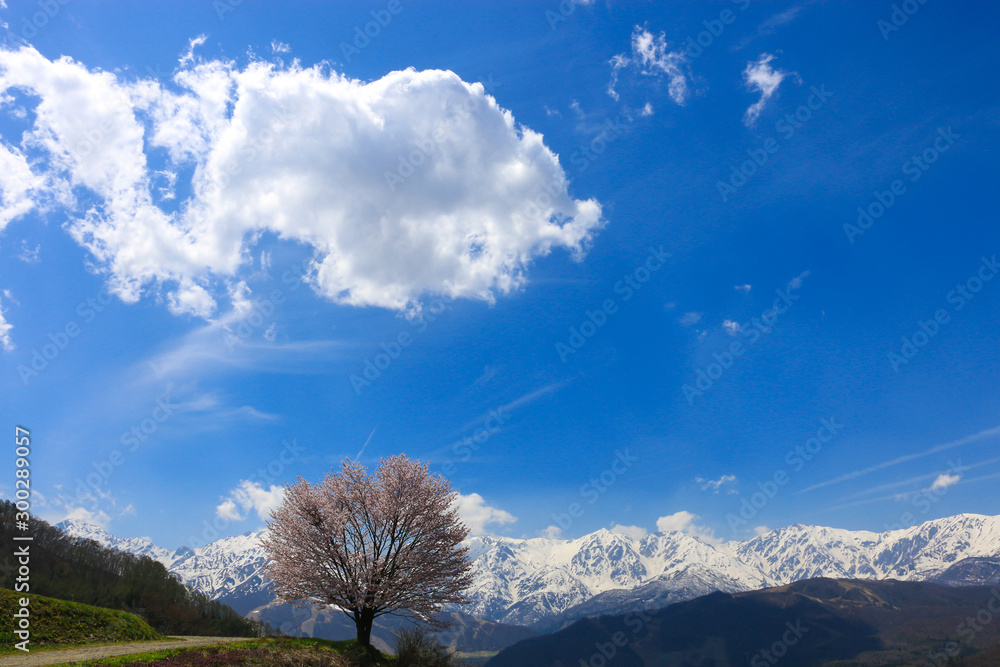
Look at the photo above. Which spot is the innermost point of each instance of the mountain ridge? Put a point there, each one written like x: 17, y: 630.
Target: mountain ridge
x: 545, y: 581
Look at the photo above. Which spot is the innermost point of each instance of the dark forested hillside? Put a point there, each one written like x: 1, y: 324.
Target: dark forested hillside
x: 87, y: 572
x: 810, y: 622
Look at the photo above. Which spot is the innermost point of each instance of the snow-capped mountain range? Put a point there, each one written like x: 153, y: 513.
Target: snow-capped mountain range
x: 544, y: 581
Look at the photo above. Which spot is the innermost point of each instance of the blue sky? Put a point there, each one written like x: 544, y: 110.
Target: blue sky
x: 599, y: 278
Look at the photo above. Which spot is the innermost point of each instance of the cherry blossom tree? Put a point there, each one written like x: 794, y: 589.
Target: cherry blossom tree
x: 386, y: 543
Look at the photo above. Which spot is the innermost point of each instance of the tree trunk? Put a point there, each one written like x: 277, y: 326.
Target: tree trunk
x: 363, y: 620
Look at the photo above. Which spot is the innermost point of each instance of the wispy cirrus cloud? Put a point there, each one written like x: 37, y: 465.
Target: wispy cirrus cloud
x: 957, y: 466
x: 946, y: 481
x: 854, y: 474
x: 771, y: 25
x: 523, y: 399
x: 716, y: 484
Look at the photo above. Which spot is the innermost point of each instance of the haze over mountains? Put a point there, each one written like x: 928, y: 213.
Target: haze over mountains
x: 547, y: 583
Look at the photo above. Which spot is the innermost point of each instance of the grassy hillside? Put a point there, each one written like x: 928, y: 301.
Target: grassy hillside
x: 90, y: 573
x: 57, y: 622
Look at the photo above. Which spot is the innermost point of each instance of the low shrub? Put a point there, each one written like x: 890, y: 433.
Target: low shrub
x: 416, y: 648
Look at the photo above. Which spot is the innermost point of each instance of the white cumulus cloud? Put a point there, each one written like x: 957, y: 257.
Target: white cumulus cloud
x: 5, y: 340
x: 83, y: 515
x: 250, y: 496
x: 552, y: 532
x: 18, y: 184
x: 191, y: 299
x: 414, y: 184
x: 761, y: 77
x: 634, y: 532
x: 944, y: 480
x: 684, y: 522
x: 477, y: 515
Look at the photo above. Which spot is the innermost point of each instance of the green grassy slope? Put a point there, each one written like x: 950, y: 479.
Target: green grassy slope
x: 60, y: 623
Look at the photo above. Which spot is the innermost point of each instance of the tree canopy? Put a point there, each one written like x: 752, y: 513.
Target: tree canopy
x: 371, y: 544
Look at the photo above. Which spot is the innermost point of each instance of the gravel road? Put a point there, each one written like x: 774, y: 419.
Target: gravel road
x: 63, y: 656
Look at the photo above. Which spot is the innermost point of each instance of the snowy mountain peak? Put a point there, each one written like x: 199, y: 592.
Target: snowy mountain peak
x: 140, y: 546
x: 525, y: 581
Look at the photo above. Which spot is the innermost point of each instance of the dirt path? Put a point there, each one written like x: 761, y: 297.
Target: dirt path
x: 62, y: 656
